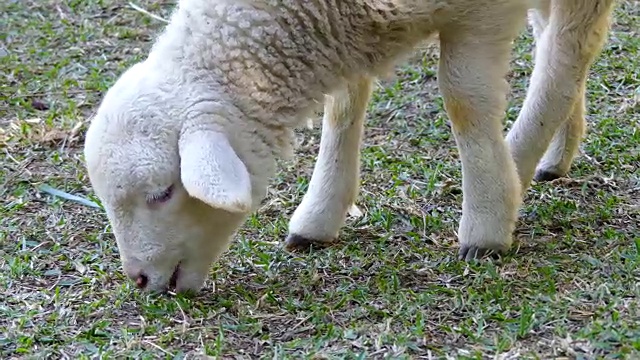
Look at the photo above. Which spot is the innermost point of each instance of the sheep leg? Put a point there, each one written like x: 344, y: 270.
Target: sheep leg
x: 471, y: 77
x: 550, y: 126
x: 334, y: 184
x: 565, y: 144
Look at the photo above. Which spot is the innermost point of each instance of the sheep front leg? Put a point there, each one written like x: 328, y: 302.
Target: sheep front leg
x: 569, y: 35
x: 334, y: 184
x: 471, y: 78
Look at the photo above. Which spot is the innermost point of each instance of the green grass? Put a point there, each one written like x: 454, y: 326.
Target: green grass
x: 392, y: 288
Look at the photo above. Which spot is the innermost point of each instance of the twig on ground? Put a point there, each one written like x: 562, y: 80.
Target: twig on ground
x: 146, y: 12
x: 55, y: 192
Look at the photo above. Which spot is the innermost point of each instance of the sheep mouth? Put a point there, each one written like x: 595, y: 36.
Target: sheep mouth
x: 174, y: 277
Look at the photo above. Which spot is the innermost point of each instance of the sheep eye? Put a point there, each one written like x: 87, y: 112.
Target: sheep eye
x: 161, y: 196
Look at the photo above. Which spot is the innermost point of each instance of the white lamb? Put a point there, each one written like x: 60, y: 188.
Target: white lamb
x: 184, y: 145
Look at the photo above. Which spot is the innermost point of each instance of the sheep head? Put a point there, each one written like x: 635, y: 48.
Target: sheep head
x: 173, y: 188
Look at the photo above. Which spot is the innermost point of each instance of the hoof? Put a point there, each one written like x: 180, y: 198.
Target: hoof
x: 295, y: 242
x: 471, y: 253
x: 544, y: 175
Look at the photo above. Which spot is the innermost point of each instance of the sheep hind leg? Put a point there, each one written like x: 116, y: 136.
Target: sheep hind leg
x: 565, y: 144
x: 472, y: 79
x: 334, y: 184
x: 546, y: 136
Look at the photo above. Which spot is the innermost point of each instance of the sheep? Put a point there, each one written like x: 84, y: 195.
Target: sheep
x: 547, y: 133
x: 184, y: 144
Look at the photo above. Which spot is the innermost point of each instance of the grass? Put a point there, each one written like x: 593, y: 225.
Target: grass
x: 391, y: 289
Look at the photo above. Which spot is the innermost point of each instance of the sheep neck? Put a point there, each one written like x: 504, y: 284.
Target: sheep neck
x: 274, y: 60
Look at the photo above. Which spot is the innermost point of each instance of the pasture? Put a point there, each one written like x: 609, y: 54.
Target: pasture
x: 391, y: 288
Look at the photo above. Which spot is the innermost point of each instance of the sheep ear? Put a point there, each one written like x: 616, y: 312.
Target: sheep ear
x: 212, y: 172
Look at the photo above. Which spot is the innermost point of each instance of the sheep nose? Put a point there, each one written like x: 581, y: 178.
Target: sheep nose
x: 141, y: 281
x: 137, y: 276
x: 134, y: 270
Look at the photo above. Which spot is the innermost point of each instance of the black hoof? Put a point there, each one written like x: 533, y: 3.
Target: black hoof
x: 471, y: 253
x: 295, y: 242
x: 544, y: 175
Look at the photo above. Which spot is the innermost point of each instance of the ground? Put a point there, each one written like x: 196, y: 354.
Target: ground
x: 391, y: 288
